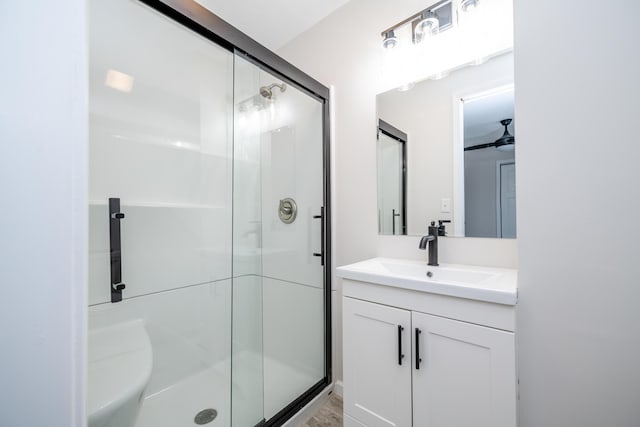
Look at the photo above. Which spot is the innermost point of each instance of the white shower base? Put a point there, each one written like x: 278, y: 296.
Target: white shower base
x: 283, y: 384
x: 178, y: 404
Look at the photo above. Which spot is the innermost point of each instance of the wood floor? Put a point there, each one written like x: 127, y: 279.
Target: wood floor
x: 329, y: 415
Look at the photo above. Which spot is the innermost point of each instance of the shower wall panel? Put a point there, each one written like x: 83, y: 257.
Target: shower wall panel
x: 188, y: 328
x: 292, y: 167
x: 160, y: 140
x: 293, y: 341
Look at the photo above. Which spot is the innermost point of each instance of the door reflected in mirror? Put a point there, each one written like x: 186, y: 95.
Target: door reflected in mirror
x: 455, y: 160
x: 392, y: 179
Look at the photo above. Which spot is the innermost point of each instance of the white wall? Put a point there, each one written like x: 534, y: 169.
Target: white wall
x: 578, y: 317
x: 43, y: 175
x: 344, y: 50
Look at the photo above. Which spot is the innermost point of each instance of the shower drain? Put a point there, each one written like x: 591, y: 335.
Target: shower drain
x: 205, y: 416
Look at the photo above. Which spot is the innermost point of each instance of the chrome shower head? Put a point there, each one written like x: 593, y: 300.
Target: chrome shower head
x: 267, y: 91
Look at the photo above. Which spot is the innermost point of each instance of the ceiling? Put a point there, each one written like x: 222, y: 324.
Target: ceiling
x: 272, y: 23
x: 482, y: 118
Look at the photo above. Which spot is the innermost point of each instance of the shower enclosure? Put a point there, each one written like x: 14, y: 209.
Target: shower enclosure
x: 209, y: 216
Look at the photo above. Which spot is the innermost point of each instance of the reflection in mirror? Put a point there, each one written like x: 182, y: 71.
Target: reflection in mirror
x: 392, y: 178
x: 446, y: 181
x: 489, y: 165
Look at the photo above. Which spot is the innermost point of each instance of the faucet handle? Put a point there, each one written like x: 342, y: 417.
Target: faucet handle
x: 433, y: 229
x: 441, y: 226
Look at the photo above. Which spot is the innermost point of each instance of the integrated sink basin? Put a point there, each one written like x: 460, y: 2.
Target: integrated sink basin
x: 495, y: 285
x: 436, y: 274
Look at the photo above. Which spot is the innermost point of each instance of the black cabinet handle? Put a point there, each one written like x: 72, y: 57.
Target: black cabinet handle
x: 322, y: 240
x: 116, y: 249
x: 418, y: 359
x: 400, y: 355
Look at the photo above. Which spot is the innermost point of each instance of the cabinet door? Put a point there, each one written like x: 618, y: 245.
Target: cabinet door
x: 377, y: 364
x: 466, y: 375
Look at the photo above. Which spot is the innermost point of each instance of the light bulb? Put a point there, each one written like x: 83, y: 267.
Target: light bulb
x: 390, y: 40
x: 468, y: 5
x: 427, y: 27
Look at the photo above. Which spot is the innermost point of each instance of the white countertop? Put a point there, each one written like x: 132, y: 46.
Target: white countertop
x: 496, y: 285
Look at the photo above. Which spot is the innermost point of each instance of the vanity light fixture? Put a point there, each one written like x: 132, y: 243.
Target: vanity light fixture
x: 390, y: 40
x: 428, y: 22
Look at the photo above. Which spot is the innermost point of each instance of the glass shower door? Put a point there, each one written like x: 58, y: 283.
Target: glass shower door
x: 160, y: 141
x: 278, y: 275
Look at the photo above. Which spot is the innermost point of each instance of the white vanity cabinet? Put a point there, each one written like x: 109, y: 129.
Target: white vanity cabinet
x: 426, y: 359
x: 377, y: 363
x: 463, y: 374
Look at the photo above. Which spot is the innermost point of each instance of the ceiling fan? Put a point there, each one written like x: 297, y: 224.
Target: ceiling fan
x: 505, y: 143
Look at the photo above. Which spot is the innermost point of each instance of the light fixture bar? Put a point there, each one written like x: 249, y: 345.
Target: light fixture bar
x: 443, y: 9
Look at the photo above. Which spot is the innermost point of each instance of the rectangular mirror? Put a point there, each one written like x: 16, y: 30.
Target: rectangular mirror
x: 445, y: 152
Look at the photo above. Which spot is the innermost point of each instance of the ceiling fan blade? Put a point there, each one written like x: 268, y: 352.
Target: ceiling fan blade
x: 480, y: 146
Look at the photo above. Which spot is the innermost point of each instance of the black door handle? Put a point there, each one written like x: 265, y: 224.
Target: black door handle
x: 418, y: 359
x: 321, y: 218
x: 400, y: 355
x: 116, y: 249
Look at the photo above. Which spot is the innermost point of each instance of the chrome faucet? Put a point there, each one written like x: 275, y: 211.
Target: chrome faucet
x: 432, y: 240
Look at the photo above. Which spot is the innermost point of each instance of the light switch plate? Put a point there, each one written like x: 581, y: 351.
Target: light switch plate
x: 445, y: 205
